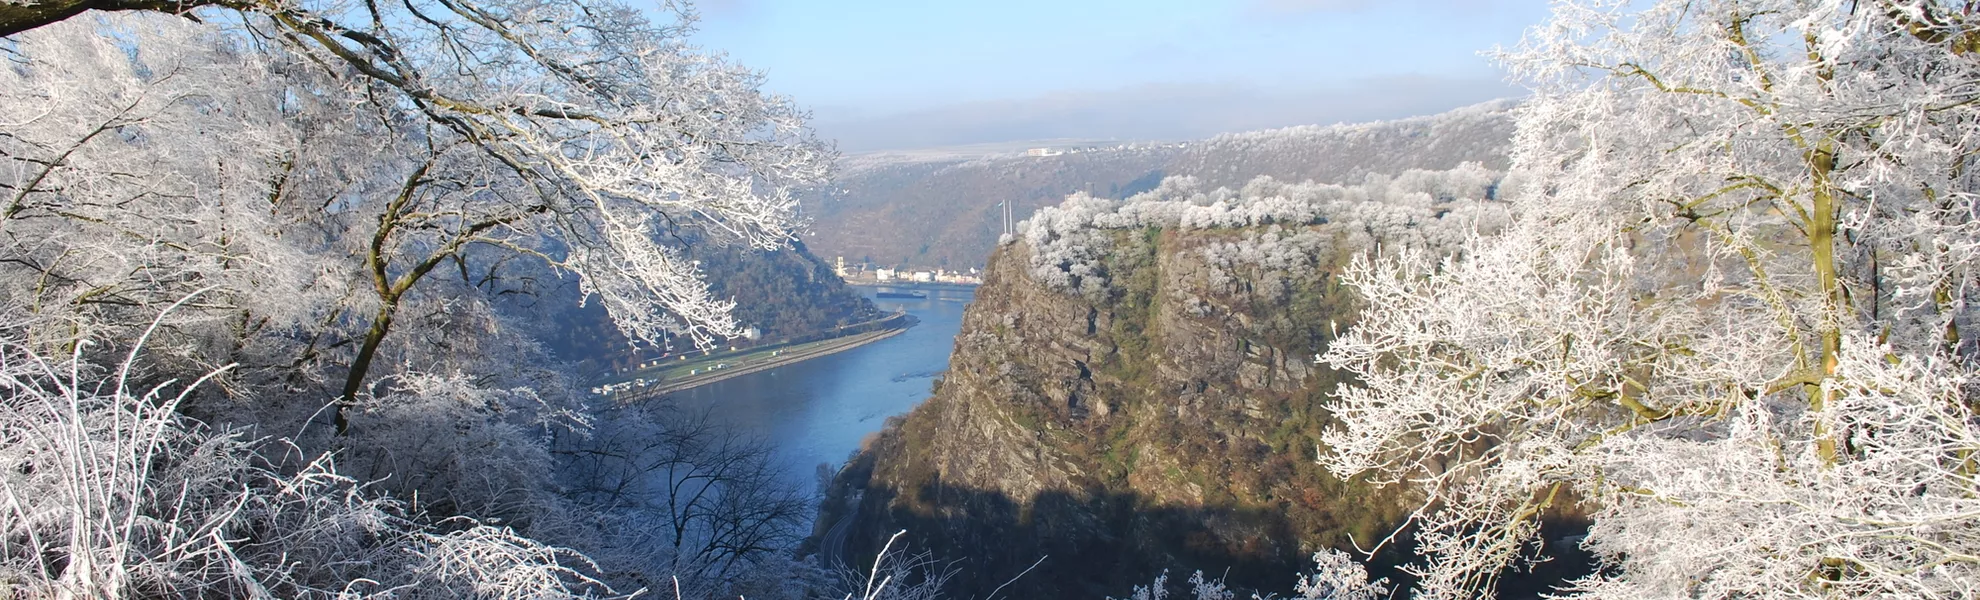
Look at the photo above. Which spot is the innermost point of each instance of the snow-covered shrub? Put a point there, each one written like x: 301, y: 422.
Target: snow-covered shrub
x: 897, y: 575
x: 107, y: 491
x: 1265, y: 257
x: 1335, y: 576
x: 1429, y: 209
x: 1067, y: 243
x: 460, y: 447
x: 1155, y: 590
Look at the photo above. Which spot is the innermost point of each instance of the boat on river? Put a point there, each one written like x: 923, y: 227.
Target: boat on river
x: 894, y: 294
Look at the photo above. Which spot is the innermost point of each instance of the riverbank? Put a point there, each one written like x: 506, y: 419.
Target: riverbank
x: 660, y: 381
x: 817, y: 411
x: 915, y: 285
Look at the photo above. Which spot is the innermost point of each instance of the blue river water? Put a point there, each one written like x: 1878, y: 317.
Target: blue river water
x: 819, y: 411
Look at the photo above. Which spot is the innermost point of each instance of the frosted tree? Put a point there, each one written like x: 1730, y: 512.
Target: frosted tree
x: 1069, y: 242
x: 135, y: 165
x: 393, y: 141
x: 316, y: 199
x: 1732, y: 317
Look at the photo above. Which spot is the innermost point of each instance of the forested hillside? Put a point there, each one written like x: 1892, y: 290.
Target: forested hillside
x: 944, y: 211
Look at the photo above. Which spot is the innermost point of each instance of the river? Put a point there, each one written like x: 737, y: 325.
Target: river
x: 819, y: 410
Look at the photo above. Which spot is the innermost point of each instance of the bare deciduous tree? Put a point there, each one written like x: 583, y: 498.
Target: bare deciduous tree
x: 713, y: 503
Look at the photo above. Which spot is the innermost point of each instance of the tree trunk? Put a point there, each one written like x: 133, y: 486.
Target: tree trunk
x: 1823, y: 214
x: 380, y: 325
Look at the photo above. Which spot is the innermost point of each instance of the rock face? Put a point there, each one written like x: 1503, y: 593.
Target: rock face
x: 1167, y: 422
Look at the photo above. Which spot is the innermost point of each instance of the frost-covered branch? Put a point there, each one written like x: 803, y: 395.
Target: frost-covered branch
x: 1731, y: 317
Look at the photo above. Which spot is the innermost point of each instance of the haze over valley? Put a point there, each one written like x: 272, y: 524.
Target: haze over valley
x: 939, y: 208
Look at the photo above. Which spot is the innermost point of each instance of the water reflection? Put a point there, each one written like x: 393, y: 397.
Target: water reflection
x: 817, y: 411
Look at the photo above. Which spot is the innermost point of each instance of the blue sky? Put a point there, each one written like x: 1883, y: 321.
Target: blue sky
x: 900, y: 73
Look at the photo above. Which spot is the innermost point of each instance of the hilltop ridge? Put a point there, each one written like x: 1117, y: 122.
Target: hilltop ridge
x: 939, y: 208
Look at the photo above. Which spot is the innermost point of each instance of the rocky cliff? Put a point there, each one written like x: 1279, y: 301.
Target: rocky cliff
x: 1134, y: 390
x: 1169, y: 422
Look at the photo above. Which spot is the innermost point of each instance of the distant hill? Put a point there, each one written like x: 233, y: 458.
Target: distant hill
x: 939, y: 208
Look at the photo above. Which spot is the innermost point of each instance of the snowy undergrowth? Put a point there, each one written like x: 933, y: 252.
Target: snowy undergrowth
x: 1335, y: 576
x: 107, y: 491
